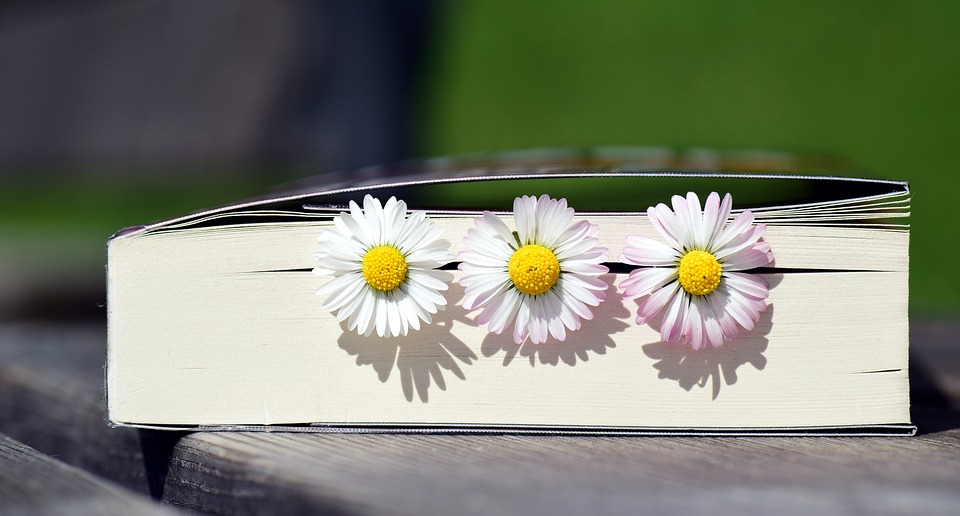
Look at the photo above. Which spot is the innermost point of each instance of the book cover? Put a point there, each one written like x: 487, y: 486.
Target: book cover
x: 606, y: 293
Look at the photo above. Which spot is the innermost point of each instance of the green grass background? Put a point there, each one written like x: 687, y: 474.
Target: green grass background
x: 875, y: 82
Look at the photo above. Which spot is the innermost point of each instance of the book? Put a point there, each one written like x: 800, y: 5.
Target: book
x: 215, y: 323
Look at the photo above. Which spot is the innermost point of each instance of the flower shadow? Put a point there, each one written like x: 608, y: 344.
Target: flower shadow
x: 719, y: 366
x: 421, y: 357
x: 595, y: 336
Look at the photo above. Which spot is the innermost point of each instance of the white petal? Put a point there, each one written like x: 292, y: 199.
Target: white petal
x: 344, y: 295
x: 718, y: 300
x: 747, y: 239
x: 478, y: 298
x: 671, y: 329
x: 587, y: 267
x: 428, y: 298
x: 525, y: 219
x: 380, y: 315
x: 431, y: 255
x: 521, y: 326
x: 393, y: 215
x: 393, y: 316
x: 490, y: 224
x: 696, y: 220
x: 432, y: 279
x: 719, y: 218
x: 693, y: 326
x: 667, y: 224
x: 577, y: 287
x: 575, y: 240
x: 350, y: 308
x: 652, y: 305
x: 567, y: 317
x: 733, y: 230
x: 538, y: 322
x: 487, y: 245
x: 339, y: 283
x: 363, y: 318
x: 552, y: 306
x: 374, y: 212
x: 579, y: 308
x: 642, y: 282
x: 553, y: 219
x: 479, y: 260
x: 648, y: 252
x: 740, y: 307
x: 711, y: 323
x: 749, y: 284
x: 503, y: 313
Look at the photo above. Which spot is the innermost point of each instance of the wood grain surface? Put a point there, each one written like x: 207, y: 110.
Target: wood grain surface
x: 51, y: 385
x: 33, y: 483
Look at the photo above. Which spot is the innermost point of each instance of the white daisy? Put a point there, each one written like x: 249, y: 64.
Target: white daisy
x: 383, y: 266
x: 544, y: 274
x: 696, y: 273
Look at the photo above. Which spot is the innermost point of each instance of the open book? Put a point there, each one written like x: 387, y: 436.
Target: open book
x: 214, y: 320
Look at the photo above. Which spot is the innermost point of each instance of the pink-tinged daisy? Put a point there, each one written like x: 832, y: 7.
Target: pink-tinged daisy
x: 697, y: 274
x: 383, y: 262
x: 543, y: 276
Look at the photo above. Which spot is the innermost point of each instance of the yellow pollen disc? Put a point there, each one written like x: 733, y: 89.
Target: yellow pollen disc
x: 384, y: 268
x: 699, y: 273
x: 534, y: 269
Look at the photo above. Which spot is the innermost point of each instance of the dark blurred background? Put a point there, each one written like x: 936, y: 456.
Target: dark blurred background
x: 119, y: 113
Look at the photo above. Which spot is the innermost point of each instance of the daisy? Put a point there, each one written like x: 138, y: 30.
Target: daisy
x: 696, y: 274
x: 383, y: 266
x: 543, y: 275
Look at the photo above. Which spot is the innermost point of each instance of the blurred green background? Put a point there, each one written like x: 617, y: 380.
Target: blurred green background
x: 873, y: 82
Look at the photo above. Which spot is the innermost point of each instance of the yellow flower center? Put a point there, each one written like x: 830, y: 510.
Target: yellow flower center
x: 699, y: 273
x: 384, y: 268
x: 534, y: 269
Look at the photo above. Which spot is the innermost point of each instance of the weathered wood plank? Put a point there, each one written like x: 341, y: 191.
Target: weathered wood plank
x: 32, y: 483
x: 53, y: 386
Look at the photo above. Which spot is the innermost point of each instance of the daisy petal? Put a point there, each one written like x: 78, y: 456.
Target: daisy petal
x: 672, y: 326
x: 648, y: 252
x: 667, y: 224
x: 652, y: 305
x: 558, y: 303
x: 699, y: 311
x: 642, y: 282
x: 400, y: 302
x: 749, y: 284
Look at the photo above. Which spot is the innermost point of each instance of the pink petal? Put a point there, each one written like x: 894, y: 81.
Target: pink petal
x: 552, y: 308
x: 666, y: 223
x: 652, y: 305
x: 748, y: 238
x: 648, y: 252
x: 642, y: 282
x: 538, y: 322
x: 745, y: 310
x: 750, y: 284
x: 672, y: 327
x: 693, y: 326
x: 711, y: 322
x: 746, y: 260
x: 734, y: 229
x: 711, y: 209
x: 719, y: 218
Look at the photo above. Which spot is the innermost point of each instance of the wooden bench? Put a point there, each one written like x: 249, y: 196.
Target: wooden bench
x: 33, y: 483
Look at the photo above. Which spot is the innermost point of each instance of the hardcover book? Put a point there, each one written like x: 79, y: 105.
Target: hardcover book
x: 609, y: 292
